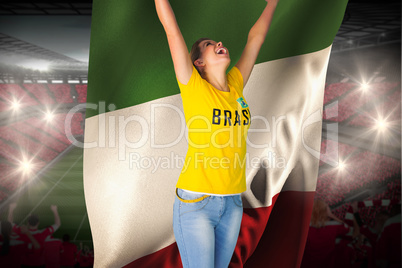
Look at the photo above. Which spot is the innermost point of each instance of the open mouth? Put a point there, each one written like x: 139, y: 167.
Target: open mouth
x: 221, y: 51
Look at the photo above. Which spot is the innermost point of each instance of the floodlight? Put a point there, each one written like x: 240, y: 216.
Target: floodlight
x: 26, y: 166
x: 364, y: 87
x: 341, y: 165
x: 49, y: 116
x: 381, y: 124
x: 15, y: 105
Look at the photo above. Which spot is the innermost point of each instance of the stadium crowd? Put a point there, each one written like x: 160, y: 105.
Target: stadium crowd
x: 28, y: 246
x: 351, y: 242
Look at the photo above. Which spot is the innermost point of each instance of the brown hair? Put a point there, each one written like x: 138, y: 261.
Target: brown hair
x: 195, y: 52
x: 319, y: 215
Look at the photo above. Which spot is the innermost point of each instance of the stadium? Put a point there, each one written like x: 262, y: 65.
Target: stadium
x: 43, y: 95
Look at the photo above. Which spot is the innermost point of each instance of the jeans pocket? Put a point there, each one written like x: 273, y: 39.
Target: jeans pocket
x: 187, y: 197
x: 237, y: 200
x: 191, y: 202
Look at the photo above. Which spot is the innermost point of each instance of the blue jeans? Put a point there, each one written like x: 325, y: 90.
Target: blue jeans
x: 206, y: 228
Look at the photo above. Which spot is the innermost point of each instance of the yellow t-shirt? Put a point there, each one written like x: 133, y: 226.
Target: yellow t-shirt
x: 217, y: 124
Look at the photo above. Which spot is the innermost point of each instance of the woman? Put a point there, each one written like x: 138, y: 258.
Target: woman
x: 208, y: 207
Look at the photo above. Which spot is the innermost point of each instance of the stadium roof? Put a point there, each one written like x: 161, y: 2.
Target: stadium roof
x: 369, y: 24
x: 11, y: 46
x: 46, y: 8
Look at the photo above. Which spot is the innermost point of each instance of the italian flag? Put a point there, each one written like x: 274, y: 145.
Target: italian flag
x: 136, y: 137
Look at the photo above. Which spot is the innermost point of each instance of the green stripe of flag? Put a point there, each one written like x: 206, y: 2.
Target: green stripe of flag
x: 130, y: 61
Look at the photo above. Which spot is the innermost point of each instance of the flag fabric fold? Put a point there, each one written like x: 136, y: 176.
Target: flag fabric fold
x: 135, y: 134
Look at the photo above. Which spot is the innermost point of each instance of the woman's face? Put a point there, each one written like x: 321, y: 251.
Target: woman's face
x: 213, y: 53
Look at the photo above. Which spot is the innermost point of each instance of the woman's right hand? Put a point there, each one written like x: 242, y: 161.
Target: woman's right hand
x: 183, y: 66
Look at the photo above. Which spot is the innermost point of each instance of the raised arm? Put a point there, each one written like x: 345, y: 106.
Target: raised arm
x: 11, y: 209
x: 178, y: 49
x: 255, y: 39
x: 57, y: 221
x: 332, y: 216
